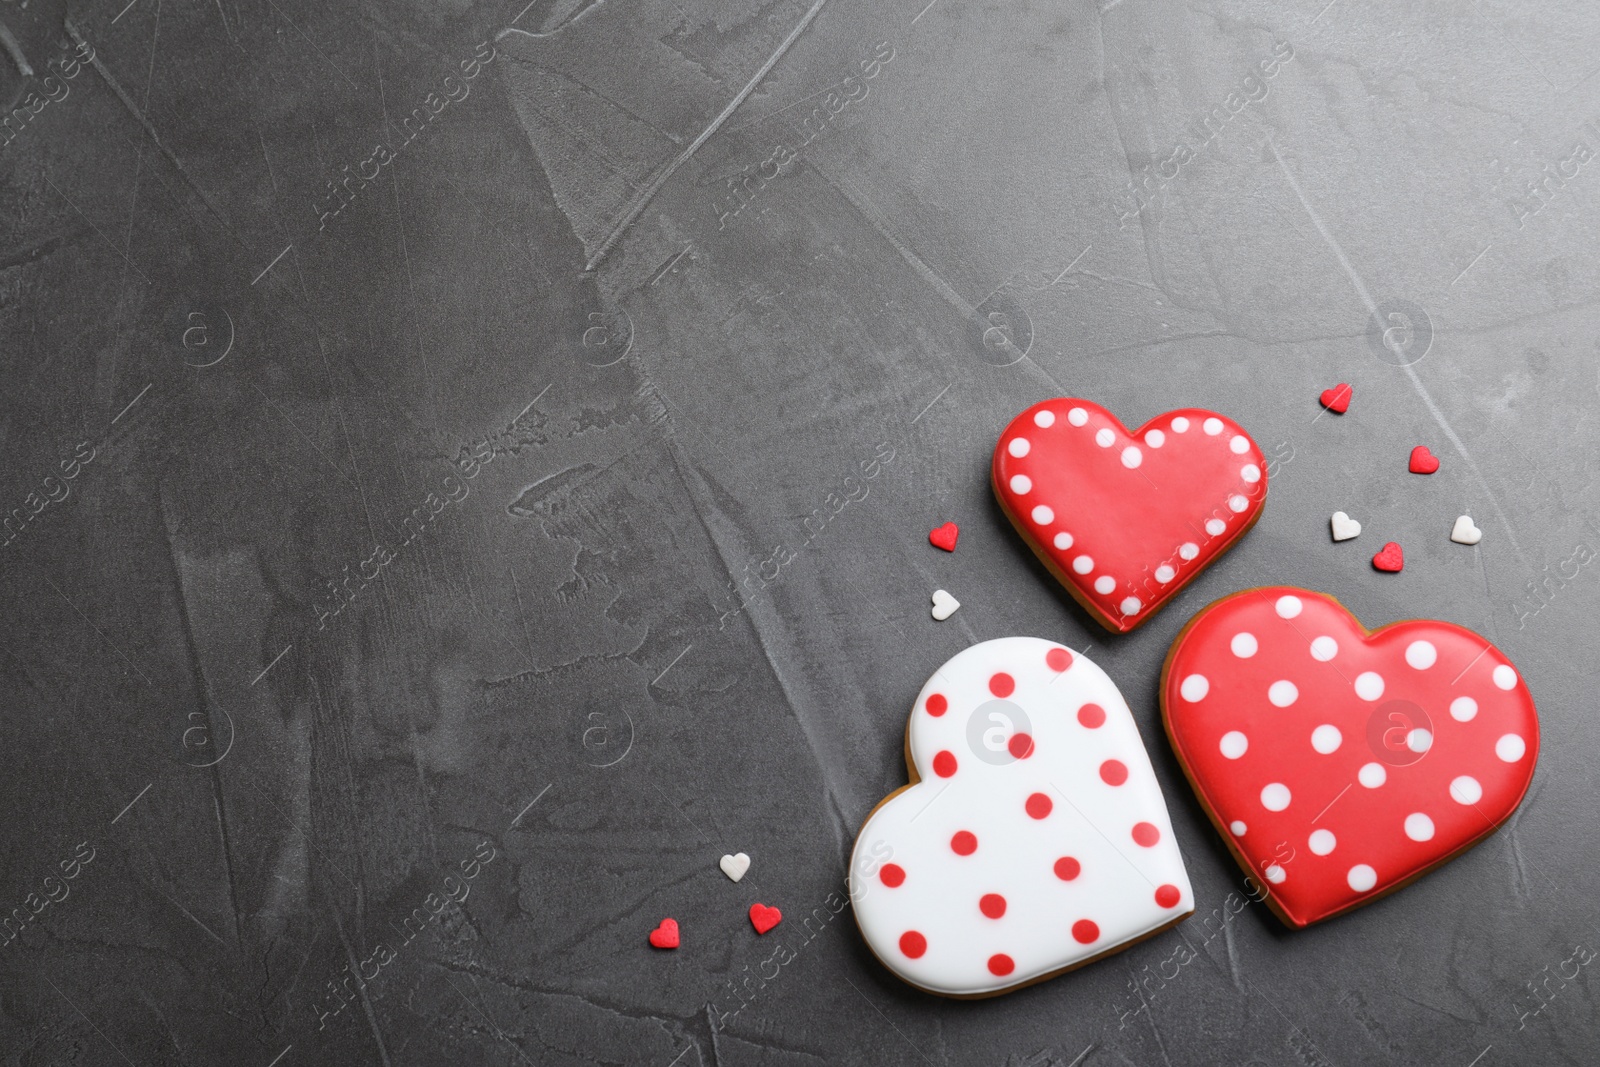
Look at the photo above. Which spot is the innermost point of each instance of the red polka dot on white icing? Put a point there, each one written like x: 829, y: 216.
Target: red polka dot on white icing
x: 1104, y: 437
x: 1505, y: 676
x: 1083, y: 564
x: 1132, y: 457
x: 1130, y: 605
x: 1021, y: 484
x: 1155, y: 438
x: 1195, y: 687
x: 1063, y: 540
x: 1462, y: 709
x: 1421, y: 654
x: 1324, y: 648
x: 1244, y: 645
x: 1018, y: 447
x: 1372, y: 775
x: 1369, y: 685
x: 1044, y: 418
x: 1510, y: 747
x: 1165, y: 574
x: 1043, y: 515
x: 1212, y: 426
x: 1466, y: 790
x: 1214, y: 527
x: 1239, y: 444
x: 1234, y: 744
x: 1419, y: 827
x: 1104, y: 584
x: 1238, y: 827
x: 1275, y: 796
x: 1250, y: 473
x: 1275, y: 874
x: 1288, y: 606
x: 1322, y: 842
x: 1180, y: 425
x: 1362, y: 878
x: 1326, y: 738
x: 1282, y: 693
x: 1188, y: 550
x: 1077, y: 416
x: 1419, y: 740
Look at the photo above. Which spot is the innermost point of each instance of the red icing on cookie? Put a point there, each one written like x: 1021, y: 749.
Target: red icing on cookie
x: 1338, y: 764
x: 1423, y: 461
x: 1389, y: 558
x: 1125, y: 519
x: 665, y: 935
x: 1337, y: 399
x: 764, y: 918
x: 945, y: 536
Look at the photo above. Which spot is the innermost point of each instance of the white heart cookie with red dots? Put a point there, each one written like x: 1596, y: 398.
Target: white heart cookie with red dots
x: 1340, y: 764
x: 1033, y: 837
x: 1123, y: 518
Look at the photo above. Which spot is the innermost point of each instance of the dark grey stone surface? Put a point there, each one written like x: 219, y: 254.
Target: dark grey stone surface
x: 679, y: 285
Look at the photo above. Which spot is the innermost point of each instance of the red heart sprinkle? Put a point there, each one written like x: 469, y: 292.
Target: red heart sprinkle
x: 1423, y: 461
x: 945, y: 536
x: 1389, y: 558
x: 764, y: 918
x: 1337, y: 399
x: 665, y: 935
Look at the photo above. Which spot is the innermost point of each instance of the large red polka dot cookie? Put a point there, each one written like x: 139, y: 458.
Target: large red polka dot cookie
x: 1033, y: 837
x: 1126, y: 518
x: 1338, y: 764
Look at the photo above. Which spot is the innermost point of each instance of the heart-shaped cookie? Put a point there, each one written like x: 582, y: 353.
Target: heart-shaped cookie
x: 944, y: 605
x: 1340, y: 764
x: 735, y: 865
x: 1422, y: 461
x: 1465, y: 531
x: 1124, y: 519
x: 1033, y: 837
x: 665, y: 935
x: 764, y: 918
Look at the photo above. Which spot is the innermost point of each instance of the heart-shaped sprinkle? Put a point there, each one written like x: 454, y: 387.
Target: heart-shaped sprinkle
x: 944, y: 605
x: 735, y: 865
x: 764, y: 918
x: 1338, y: 764
x: 1337, y: 399
x: 1423, y: 461
x: 945, y: 536
x: 665, y: 935
x: 1389, y: 558
x: 1344, y: 527
x: 1465, y: 531
x: 1124, y: 518
x: 1037, y: 847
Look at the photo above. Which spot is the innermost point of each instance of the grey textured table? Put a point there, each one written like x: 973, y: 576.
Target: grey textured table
x: 437, y: 447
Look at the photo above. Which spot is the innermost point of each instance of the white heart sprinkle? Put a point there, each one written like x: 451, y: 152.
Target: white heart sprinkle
x: 944, y: 605
x: 1465, y: 531
x: 735, y: 865
x: 1344, y: 527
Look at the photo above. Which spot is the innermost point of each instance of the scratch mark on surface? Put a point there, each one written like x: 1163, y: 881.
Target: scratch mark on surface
x: 274, y: 263
x: 529, y: 808
x: 280, y: 1056
x: 932, y: 402
x: 131, y: 803
x: 124, y: 11
x: 86, y: 1019
x: 96, y: 229
x: 97, y: 630
x: 271, y: 665
x: 654, y: 187
x: 924, y: 11
x: 1474, y: 263
x: 671, y: 665
x: 132, y: 402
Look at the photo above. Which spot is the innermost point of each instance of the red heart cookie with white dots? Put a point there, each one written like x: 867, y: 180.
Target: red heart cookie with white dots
x: 1340, y: 764
x: 1124, y: 519
x: 1033, y: 837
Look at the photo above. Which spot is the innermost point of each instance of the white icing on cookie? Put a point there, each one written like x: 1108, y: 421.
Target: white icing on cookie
x: 1037, y: 836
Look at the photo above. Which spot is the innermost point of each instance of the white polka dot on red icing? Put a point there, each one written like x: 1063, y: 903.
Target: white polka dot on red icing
x: 1466, y: 790
x: 1130, y: 605
x: 1237, y: 503
x: 1362, y: 878
x: 1165, y: 574
x: 1063, y: 541
x: 1043, y: 515
x: 1275, y: 796
x: 1369, y: 685
x: 1288, y: 606
x: 1132, y: 457
x: 1214, y: 527
x: 1418, y: 739
x: 1188, y: 550
x: 1243, y: 645
x: 1510, y: 748
x: 1275, y: 874
x: 1083, y: 564
x: 1419, y: 827
x: 1104, y: 584
x: 1282, y: 693
x: 1155, y: 438
x: 1234, y: 744
x: 1372, y: 775
x: 1239, y: 444
x: 1044, y: 419
x: 1238, y: 827
x: 1077, y: 416
x: 1462, y: 709
x: 1250, y: 473
x: 1322, y: 842
x: 1505, y: 676
x: 1421, y: 654
x: 1018, y: 447
x: 1021, y: 484
x: 1104, y: 437
x: 1212, y: 426
x: 1195, y: 687
x: 1324, y: 648
x: 1326, y: 738
x: 1180, y: 425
